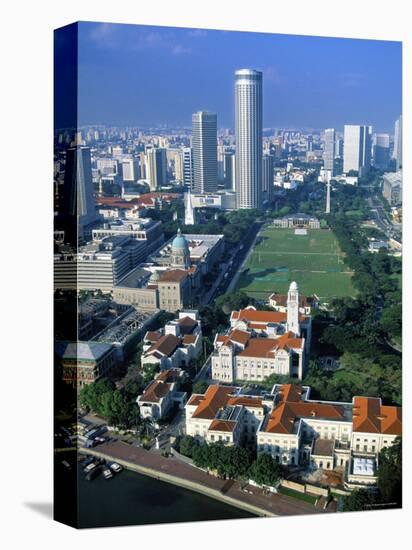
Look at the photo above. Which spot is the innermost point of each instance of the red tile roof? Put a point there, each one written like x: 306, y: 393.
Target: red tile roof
x: 155, y: 391
x: 283, y: 417
x: 267, y: 347
x: 222, y: 425
x: 215, y: 397
x: 152, y: 336
x: 370, y: 416
x: 189, y: 339
x: 165, y: 345
x: 173, y: 276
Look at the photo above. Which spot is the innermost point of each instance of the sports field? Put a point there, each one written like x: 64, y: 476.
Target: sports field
x: 314, y: 261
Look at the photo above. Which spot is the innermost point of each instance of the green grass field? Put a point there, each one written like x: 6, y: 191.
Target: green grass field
x: 314, y: 261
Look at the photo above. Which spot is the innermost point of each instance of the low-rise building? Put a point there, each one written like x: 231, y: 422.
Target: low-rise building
x: 392, y: 187
x: 297, y: 221
x: 306, y: 303
x: 176, y: 345
x: 347, y: 437
x: 84, y: 362
x: 261, y: 343
x: 224, y: 414
x: 162, y: 394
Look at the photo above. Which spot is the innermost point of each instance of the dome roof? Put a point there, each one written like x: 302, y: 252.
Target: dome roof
x: 180, y: 242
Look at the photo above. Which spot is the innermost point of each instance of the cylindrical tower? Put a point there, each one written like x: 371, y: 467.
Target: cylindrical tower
x: 248, y: 100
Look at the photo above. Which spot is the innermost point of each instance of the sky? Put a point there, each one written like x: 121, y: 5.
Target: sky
x: 143, y: 75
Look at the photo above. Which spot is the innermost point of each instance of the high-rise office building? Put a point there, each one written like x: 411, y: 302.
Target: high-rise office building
x: 78, y: 206
x: 267, y: 178
x: 339, y: 148
x: 397, y: 147
x: 381, y: 151
x: 248, y: 108
x: 357, y: 148
x: 204, y: 144
x: 156, y: 166
x: 329, y: 150
x: 187, y: 153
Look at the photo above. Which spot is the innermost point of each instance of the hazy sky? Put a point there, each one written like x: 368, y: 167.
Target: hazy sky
x: 131, y: 75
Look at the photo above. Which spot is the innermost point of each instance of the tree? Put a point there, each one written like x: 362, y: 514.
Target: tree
x: 391, y: 320
x: 233, y: 301
x: 265, y: 471
x: 187, y: 444
x: 390, y: 473
x: 358, y: 500
x: 149, y: 371
x: 200, y: 386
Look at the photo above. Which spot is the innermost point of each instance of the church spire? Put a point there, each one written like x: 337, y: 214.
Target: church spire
x: 189, y: 210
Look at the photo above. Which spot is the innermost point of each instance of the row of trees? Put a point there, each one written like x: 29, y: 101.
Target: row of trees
x: 231, y: 462
x: 117, y: 406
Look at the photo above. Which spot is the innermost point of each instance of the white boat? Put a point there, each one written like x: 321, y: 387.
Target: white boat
x: 115, y: 467
x: 107, y: 473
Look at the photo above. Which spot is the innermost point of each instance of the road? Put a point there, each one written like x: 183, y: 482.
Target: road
x: 382, y: 219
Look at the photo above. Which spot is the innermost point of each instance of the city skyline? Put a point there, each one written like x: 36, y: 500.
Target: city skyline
x: 143, y: 75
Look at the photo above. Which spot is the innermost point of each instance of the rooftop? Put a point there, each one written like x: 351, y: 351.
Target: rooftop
x: 370, y: 416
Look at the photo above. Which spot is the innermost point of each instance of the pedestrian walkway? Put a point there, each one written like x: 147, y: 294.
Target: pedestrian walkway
x: 188, y: 476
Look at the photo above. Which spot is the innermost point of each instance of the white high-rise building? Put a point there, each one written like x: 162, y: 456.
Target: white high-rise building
x: 248, y: 107
x: 397, y: 147
x: 329, y: 150
x: 187, y: 153
x: 357, y: 148
x: 204, y: 144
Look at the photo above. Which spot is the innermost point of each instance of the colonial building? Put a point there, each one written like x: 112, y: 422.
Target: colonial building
x: 176, y: 345
x: 224, y: 414
x: 296, y: 430
x: 297, y: 221
x: 347, y: 437
x: 162, y: 394
x: 84, y: 362
x: 171, y: 279
x: 306, y: 303
x: 261, y: 343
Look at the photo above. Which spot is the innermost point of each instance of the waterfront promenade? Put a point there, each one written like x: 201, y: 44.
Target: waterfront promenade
x: 185, y: 475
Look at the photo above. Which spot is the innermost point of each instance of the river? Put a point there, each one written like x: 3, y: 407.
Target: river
x: 133, y: 499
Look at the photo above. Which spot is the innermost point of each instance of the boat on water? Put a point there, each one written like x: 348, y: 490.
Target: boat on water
x: 115, y: 467
x: 107, y: 473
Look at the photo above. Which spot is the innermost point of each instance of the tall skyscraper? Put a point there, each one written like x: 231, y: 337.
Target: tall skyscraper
x: 397, y: 147
x: 329, y: 150
x: 248, y: 109
x: 357, y: 148
x: 187, y: 153
x: 204, y: 144
x: 78, y: 205
x: 381, y: 151
x: 156, y: 166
